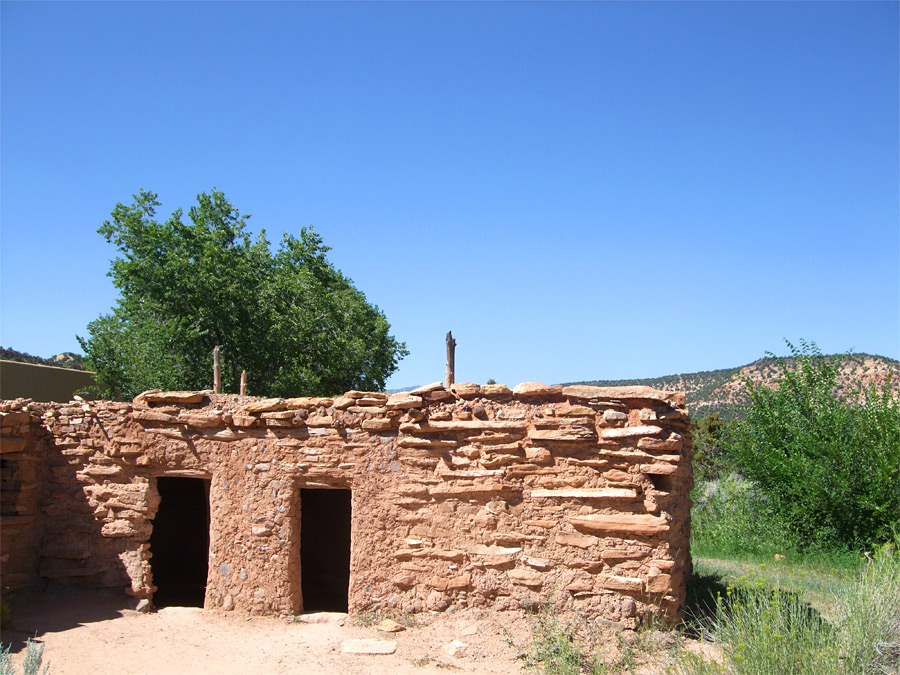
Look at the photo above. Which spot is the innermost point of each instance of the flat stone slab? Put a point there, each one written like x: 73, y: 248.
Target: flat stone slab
x: 321, y: 617
x: 368, y: 646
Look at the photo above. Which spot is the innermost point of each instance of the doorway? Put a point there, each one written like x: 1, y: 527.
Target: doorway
x: 179, y: 542
x: 325, y: 549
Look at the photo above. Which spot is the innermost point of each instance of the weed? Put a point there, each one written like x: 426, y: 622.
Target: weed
x: 366, y: 619
x: 554, y: 648
x: 766, y: 629
x: 31, y: 664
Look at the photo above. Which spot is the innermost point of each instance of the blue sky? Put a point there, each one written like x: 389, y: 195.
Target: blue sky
x: 577, y: 190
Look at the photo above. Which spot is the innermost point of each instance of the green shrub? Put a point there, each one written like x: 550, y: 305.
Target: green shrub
x: 829, y: 466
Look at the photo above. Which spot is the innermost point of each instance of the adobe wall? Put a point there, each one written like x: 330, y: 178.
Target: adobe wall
x: 475, y: 496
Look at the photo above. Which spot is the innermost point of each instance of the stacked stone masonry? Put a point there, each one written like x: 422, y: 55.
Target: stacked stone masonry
x: 474, y: 496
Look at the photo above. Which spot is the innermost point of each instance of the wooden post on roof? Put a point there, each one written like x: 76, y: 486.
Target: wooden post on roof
x: 243, y: 383
x: 451, y: 359
x: 217, y: 371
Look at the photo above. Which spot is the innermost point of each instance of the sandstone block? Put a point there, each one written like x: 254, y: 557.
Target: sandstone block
x: 580, y: 585
x: 574, y: 411
x: 639, y: 392
x: 481, y: 549
x: 372, y: 397
x: 632, y: 432
x: 239, y: 420
x: 377, y: 424
x: 622, y: 523
x: 537, y: 390
x: 451, y: 584
x: 660, y: 469
x: 668, y: 444
x: 544, y: 524
x: 404, y: 580
x: 659, y: 583
x: 278, y: 415
x: 614, y: 417
x: 427, y: 389
x: 495, y: 390
x: 12, y: 444
x: 578, y: 540
x: 309, y: 402
x: 585, y: 493
x: 153, y: 416
x: 524, y: 577
x: 433, y: 444
x: 14, y: 418
x: 102, y: 471
x: 126, y: 528
x: 466, y: 491
x: 178, y: 397
x: 466, y: 389
x: 537, y: 563
x: 430, y: 426
x: 225, y: 435
x: 390, y: 626
x: 438, y: 396
x: 563, y: 435
x: 202, y: 421
x: 622, y: 583
x: 403, y: 402
x: 368, y: 409
x: 613, y: 555
x: 266, y: 405
x: 538, y: 455
x: 372, y: 400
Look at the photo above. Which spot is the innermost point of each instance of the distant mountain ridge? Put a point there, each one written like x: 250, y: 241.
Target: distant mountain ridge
x: 64, y: 360
x: 722, y: 391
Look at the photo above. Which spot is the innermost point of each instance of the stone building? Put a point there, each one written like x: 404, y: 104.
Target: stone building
x: 473, y: 496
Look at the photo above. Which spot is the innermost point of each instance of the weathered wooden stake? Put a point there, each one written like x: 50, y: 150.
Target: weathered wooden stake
x: 243, y: 383
x: 451, y: 358
x: 217, y: 371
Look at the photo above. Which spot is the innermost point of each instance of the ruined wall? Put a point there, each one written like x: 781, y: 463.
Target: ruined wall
x: 475, y: 496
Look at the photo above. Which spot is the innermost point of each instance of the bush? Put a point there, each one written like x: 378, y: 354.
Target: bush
x: 732, y: 517
x: 829, y: 466
x: 710, y: 436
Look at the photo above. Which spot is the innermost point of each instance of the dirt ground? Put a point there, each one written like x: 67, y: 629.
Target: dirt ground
x: 90, y: 633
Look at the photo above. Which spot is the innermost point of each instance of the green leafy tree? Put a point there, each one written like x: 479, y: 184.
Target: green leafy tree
x: 829, y: 465
x: 710, y: 436
x: 289, y: 318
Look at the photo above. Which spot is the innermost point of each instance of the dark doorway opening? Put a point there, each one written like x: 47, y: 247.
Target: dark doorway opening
x: 325, y: 549
x: 179, y: 542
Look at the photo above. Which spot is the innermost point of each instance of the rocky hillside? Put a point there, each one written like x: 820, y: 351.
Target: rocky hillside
x: 64, y: 360
x: 722, y: 391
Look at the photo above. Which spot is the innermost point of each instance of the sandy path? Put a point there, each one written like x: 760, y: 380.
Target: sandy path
x: 88, y: 633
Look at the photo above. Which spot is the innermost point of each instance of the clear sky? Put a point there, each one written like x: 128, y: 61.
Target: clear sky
x: 577, y: 190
